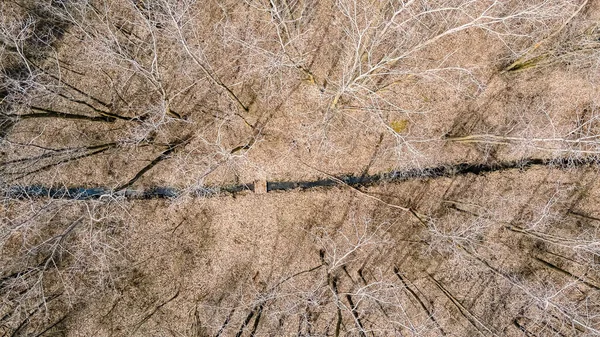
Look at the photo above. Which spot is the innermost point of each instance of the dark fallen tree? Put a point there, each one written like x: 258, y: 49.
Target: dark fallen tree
x: 355, y: 181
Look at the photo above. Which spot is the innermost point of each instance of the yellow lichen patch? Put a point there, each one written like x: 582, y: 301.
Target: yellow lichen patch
x: 399, y: 126
x: 310, y: 79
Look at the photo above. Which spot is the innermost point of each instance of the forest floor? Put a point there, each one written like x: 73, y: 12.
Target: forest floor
x: 333, y: 168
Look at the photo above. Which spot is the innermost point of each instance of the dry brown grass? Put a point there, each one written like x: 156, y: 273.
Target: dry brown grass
x: 192, y: 94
